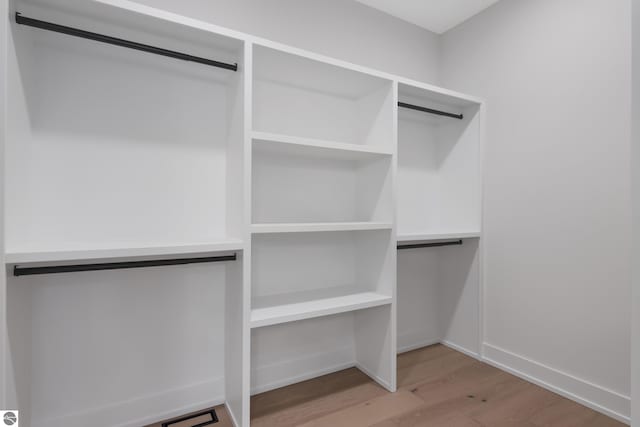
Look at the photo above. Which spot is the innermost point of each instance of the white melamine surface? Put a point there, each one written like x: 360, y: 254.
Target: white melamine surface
x: 138, y: 251
x: 318, y: 227
x: 300, y: 186
x: 286, y: 144
x: 408, y: 238
x: 273, y: 313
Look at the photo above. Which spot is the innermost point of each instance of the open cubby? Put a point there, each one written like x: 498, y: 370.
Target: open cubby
x: 301, y: 97
x: 438, y: 166
x: 111, y: 147
x: 304, y: 275
x: 439, y: 297
x: 292, y: 352
x: 293, y: 184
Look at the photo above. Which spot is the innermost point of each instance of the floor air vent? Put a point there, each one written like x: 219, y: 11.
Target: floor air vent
x: 199, y: 419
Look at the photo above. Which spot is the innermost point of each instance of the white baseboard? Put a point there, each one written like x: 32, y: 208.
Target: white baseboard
x: 416, y: 345
x: 462, y: 350
x: 281, y: 374
x: 136, y: 412
x: 598, y: 398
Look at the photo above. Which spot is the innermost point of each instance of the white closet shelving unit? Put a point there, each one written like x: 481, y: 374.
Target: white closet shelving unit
x: 298, y: 170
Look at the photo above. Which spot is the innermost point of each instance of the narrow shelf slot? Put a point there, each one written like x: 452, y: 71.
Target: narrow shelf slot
x: 269, y: 313
x: 318, y: 227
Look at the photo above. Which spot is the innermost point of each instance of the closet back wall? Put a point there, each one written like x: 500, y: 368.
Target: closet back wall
x: 341, y: 29
x: 555, y: 75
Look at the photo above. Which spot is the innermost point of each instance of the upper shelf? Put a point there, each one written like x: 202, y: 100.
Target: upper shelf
x: 316, y: 147
x: 283, y: 68
x: 133, y: 251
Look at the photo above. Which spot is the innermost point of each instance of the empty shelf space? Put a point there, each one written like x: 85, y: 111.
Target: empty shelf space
x: 287, y: 144
x: 318, y: 227
x: 110, y: 253
x: 274, y: 310
x: 428, y: 237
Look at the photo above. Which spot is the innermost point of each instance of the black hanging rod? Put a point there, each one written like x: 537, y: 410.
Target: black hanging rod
x: 29, y: 271
x: 430, y: 245
x: 20, y: 19
x: 430, y: 110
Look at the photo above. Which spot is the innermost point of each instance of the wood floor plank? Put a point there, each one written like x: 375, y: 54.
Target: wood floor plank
x: 424, y: 354
x: 519, y: 407
x: 368, y: 413
x: 432, y: 369
x: 296, y: 394
x: 456, y: 407
x: 307, y: 410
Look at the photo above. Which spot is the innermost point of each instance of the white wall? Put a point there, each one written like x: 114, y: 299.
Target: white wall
x: 556, y: 77
x: 342, y: 29
x: 635, y: 159
x: 3, y: 52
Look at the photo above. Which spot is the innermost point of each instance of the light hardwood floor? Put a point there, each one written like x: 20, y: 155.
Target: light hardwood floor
x: 437, y: 387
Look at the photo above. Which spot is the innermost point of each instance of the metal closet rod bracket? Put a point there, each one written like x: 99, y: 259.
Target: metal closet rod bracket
x: 430, y: 245
x: 29, y: 271
x: 430, y: 110
x: 44, y: 25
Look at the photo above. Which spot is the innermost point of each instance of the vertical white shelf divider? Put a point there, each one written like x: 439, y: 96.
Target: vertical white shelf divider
x: 237, y: 351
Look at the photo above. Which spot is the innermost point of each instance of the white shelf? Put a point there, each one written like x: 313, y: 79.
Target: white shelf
x: 138, y: 251
x: 269, y: 315
x: 316, y: 147
x: 318, y: 227
x: 426, y: 237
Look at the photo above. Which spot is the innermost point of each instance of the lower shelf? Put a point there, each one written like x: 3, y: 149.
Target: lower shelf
x: 274, y: 310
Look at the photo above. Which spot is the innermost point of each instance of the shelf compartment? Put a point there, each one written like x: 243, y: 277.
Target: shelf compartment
x: 101, y: 161
x: 439, y: 168
x: 286, y: 144
x: 128, y: 252
x: 298, y: 96
x: 293, y: 270
x: 274, y: 310
x: 318, y: 227
x: 294, y: 183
